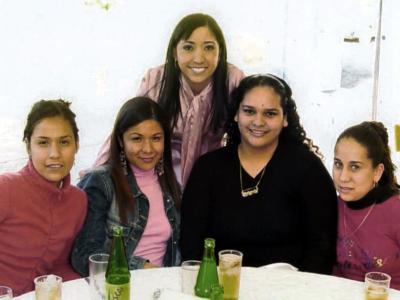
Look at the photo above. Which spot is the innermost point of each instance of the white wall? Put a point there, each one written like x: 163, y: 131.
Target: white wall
x: 95, y: 57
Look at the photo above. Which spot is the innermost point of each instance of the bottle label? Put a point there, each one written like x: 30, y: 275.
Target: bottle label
x: 118, y: 291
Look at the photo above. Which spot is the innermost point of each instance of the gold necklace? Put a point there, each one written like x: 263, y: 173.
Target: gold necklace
x: 253, y: 190
x: 359, y: 225
x: 347, y: 241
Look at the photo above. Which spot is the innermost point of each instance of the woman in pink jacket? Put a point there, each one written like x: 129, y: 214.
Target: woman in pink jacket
x: 193, y: 88
x: 40, y: 211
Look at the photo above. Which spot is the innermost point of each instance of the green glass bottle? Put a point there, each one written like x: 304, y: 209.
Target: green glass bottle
x: 208, y: 273
x: 117, y: 274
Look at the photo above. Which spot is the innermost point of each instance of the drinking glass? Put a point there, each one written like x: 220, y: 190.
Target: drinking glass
x: 97, y: 275
x: 189, y: 271
x: 5, y: 293
x: 48, y: 287
x: 377, y: 286
x: 230, y: 264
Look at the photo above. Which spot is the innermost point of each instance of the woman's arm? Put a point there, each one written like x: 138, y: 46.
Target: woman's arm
x: 92, y: 236
x: 319, y: 209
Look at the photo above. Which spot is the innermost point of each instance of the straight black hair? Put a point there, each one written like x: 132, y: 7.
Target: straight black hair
x: 170, y: 84
x: 133, y: 112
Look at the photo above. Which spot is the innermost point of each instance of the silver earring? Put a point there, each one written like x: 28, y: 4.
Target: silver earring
x: 122, y: 160
x: 160, y: 167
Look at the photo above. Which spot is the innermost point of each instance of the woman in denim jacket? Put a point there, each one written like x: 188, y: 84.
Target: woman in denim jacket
x: 137, y: 189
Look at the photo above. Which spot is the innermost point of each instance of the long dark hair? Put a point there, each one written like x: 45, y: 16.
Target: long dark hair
x: 294, y: 132
x: 170, y: 84
x: 374, y: 138
x: 133, y: 112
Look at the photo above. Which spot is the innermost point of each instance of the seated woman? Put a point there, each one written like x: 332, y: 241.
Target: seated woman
x: 369, y: 206
x: 136, y: 188
x: 40, y: 211
x: 267, y: 194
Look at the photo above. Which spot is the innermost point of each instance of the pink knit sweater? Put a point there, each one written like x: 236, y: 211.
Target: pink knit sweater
x: 38, y: 224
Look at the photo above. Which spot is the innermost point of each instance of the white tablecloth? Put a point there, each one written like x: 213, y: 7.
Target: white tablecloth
x: 256, y: 284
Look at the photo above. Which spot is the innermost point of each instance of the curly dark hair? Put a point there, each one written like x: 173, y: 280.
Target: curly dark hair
x: 373, y: 136
x: 294, y: 132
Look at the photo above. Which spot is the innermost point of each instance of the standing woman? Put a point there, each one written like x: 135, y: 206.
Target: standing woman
x: 136, y: 189
x: 193, y: 88
x: 40, y: 211
x: 369, y: 204
x: 267, y: 193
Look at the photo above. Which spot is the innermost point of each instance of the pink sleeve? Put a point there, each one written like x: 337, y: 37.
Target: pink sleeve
x: 151, y: 83
x: 102, y: 155
x: 4, y: 198
x: 235, y: 76
x: 144, y: 84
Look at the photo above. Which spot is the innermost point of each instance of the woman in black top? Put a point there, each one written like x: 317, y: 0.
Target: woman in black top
x: 267, y: 193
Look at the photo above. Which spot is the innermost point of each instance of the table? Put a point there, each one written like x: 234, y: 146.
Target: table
x: 256, y: 284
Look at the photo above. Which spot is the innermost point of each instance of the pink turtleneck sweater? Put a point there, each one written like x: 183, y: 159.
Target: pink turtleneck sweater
x: 38, y: 225
x: 157, y: 232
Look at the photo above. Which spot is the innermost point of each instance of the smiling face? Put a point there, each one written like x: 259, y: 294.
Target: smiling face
x: 52, y: 148
x: 144, y: 144
x: 260, y: 118
x: 197, y: 57
x: 353, y: 173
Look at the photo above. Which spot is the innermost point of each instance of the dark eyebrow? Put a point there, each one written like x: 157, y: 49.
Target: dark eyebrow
x: 247, y: 106
x: 264, y: 109
x: 205, y: 42
x: 46, y: 137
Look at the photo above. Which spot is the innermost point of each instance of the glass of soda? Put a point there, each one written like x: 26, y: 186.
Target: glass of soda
x: 48, y: 287
x: 230, y: 264
x: 377, y: 286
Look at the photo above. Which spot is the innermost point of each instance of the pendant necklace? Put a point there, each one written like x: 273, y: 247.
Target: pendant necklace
x: 249, y: 191
x: 347, y: 241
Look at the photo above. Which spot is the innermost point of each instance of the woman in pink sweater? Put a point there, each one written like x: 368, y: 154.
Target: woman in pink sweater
x: 193, y: 88
x: 40, y: 211
x: 369, y: 204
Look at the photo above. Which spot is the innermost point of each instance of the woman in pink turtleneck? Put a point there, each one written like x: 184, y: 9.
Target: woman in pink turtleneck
x: 136, y: 189
x: 369, y: 204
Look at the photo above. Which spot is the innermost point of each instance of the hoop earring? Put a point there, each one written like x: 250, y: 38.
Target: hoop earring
x: 375, y: 184
x: 160, y: 167
x: 122, y: 159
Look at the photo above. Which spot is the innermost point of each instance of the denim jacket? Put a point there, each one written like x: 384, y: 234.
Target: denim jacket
x: 96, y: 235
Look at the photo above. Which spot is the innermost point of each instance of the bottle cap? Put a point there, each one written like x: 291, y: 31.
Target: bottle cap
x: 209, y: 242
x: 117, y: 230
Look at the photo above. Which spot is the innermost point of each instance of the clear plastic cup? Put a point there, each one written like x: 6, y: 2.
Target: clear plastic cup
x: 48, y: 287
x: 189, y: 270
